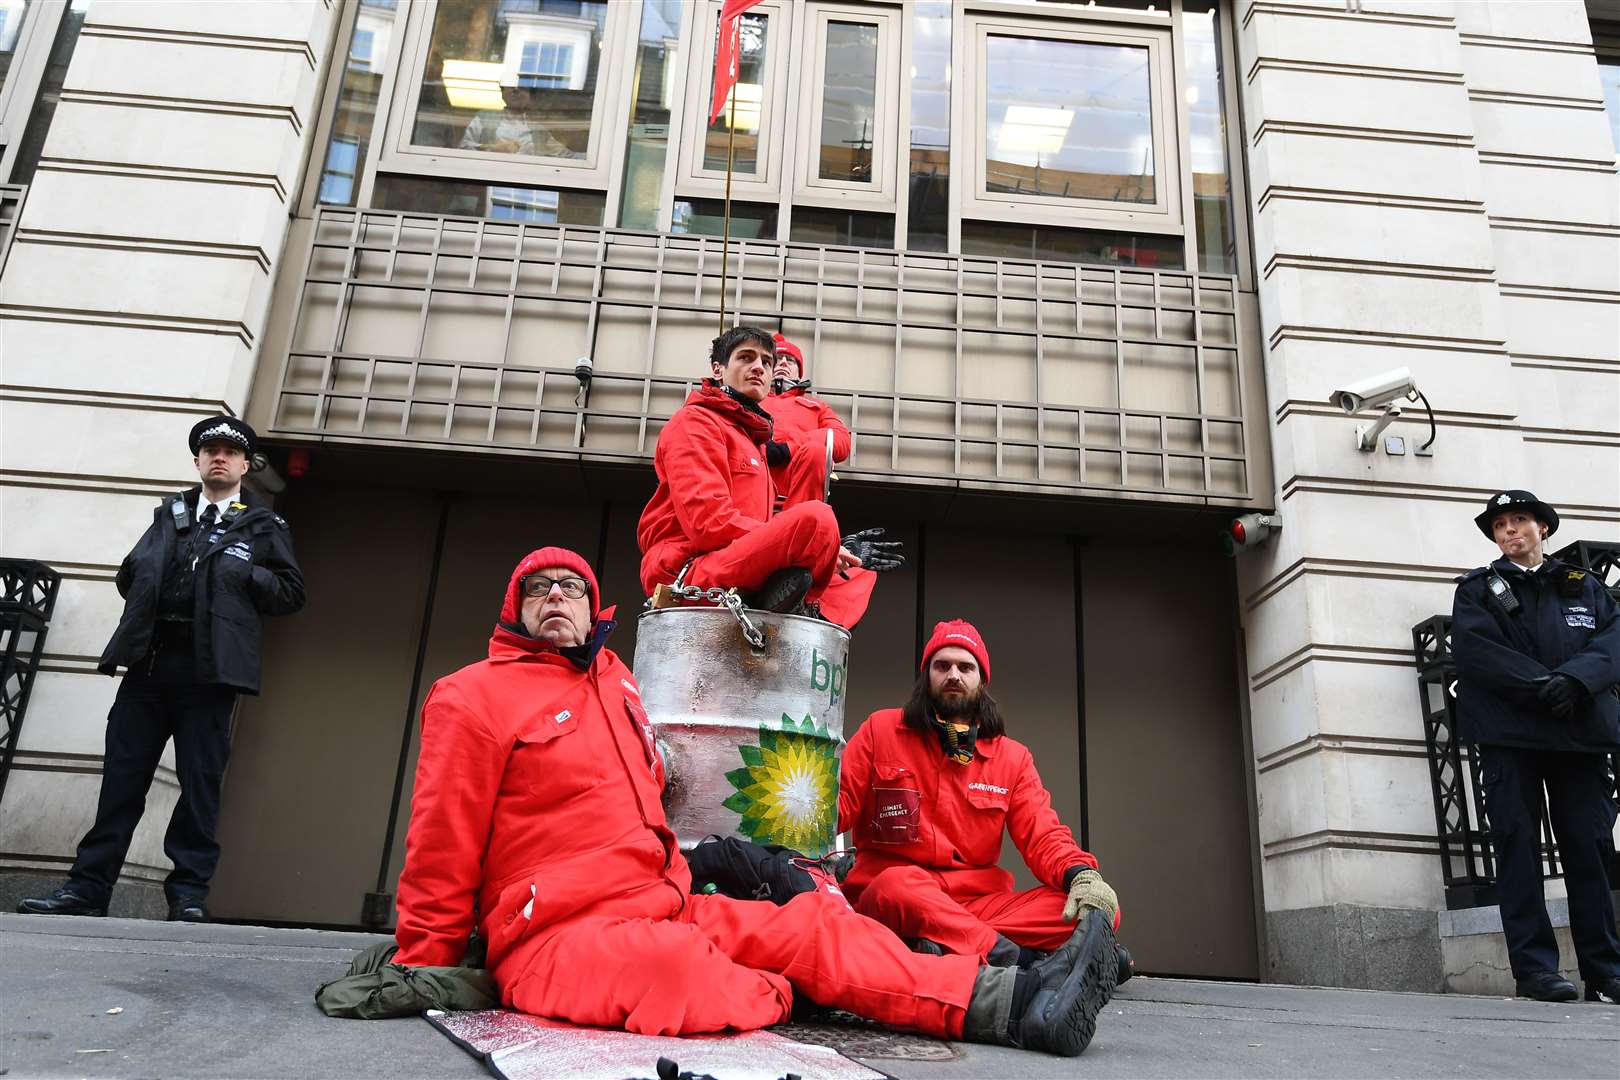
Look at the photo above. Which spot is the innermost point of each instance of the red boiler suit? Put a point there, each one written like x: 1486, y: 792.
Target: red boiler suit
x: 928, y: 836
x: 536, y: 814
x: 714, y: 503
x: 802, y: 422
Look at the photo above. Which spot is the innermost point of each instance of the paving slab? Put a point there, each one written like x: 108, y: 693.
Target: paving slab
x: 222, y: 1001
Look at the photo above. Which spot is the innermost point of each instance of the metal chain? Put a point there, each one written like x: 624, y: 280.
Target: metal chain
x: 728, y: 599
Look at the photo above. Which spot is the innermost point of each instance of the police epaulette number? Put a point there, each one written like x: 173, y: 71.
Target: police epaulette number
x: 279, y: 519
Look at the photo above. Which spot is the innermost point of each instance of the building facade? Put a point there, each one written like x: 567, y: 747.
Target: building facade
x: 1080, y: 277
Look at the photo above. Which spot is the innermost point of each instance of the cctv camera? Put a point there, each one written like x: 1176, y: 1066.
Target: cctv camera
x: 1374, y: 392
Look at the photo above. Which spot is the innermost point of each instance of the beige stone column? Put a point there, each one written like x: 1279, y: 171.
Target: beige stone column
x: 132, y: 305
x: 1434, y: 188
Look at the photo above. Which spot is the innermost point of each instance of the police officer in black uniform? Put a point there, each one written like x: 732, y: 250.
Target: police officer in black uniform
x: 213, y: 561
x: 1537, y: 645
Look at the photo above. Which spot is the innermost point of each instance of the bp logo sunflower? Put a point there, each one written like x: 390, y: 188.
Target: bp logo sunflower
x: 788, y: 791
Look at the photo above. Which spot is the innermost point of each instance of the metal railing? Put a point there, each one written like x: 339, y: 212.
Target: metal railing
x: 463, y: 332
x: 27, y: 597
x: 11, y: 203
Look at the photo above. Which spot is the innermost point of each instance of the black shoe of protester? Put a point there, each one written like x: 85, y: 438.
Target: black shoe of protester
x: 783, y: 592
x: 188, y: 909
x: 1127, y: 966
x: 1546, y: 986
x: 64, y: 901
x: 1074, y: 983
x: 1605, y: 991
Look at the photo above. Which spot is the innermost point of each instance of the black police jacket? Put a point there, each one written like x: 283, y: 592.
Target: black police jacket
x: 1566, y: 622
x: 247, y: 572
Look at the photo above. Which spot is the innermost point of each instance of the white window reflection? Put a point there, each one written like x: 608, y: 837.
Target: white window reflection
x: 745, y: 107
x: 12, y: 13
x: 1068, y: 119
x: 848, y: 109
x: 518, y: 77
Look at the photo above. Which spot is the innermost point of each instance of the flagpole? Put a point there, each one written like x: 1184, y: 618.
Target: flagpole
x: 725, y: 223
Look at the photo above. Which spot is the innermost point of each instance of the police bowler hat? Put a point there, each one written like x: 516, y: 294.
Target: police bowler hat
x: 226, y: 429
x: 1504, y: 501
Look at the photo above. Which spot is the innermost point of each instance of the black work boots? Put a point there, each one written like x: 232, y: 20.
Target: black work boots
x: 783, y: 592
x: 1053, y: 1005
x: 64, y: 901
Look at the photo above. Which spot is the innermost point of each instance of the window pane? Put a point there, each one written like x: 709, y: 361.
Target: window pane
x: 928, y: 223
x: 849, y: 99
x: 1609, y: 75
x: 1068, y: 119
x: 1048, y: 244
x: 503, y: 202
x: 814, y: 225
x: 357, y: 102
x: 658, y: 65
x: 1206, y: 124
x: 747, y: 104
x: 12, y: 13
x: 50, y: 92
x: 518, y: 77
x: 705, y: 217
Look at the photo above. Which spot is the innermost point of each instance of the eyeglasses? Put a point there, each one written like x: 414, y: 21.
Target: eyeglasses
x: 540, y: 585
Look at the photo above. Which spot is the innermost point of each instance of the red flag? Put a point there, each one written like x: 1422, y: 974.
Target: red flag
x: 725, y: 55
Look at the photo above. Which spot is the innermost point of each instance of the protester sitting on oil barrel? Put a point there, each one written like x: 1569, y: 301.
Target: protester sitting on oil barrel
x: 536, y: 814
x: 928, y: 791
x: 195, y: 586
x: 712, y: 520
x: 1537, y: 646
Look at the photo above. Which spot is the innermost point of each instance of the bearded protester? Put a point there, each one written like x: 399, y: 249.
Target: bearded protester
x: 1537, y: 647
x: 536, y: 817
x: 798, y: 460
x: 196, y: 587
x: 712, y: 520
x: 929, y: 790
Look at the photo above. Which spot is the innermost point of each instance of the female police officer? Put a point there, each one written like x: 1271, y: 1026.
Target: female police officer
x: 1537, y: 644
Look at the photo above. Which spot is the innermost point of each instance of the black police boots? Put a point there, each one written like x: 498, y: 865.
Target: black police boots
x: 64, y: 901
x: 784, y: 591
x: 1606, y: 991
x: 1545, y: 986
x: 1053, y: 1005
x: 187, y: 909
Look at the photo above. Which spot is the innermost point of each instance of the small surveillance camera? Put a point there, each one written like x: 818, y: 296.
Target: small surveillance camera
x: 1374, y: 392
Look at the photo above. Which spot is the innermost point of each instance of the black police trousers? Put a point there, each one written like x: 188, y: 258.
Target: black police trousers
x: 1582, y: 813
x: 159, y: 699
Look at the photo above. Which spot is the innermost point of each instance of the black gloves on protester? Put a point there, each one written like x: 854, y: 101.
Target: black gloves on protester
x: 777, y: 453
x: 876, y: 555
x: 1560, y: 694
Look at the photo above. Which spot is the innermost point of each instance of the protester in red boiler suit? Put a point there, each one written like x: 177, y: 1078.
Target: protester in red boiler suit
x: 714, y: 505
x: 798, y: 455
x: 536, y: 815
x: 929, y: 789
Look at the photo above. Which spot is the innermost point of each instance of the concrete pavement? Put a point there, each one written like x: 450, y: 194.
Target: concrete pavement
x: 237, y: 1001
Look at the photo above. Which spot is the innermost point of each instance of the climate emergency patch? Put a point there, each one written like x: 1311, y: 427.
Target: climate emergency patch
x: 895, y: 814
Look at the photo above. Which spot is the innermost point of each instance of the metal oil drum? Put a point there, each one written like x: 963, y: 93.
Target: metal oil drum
x: 751, y: 737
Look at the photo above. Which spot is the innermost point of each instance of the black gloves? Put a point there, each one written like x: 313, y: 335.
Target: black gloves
x: 1560, y: 694
x: 777, y: 453
x: 876, y: 554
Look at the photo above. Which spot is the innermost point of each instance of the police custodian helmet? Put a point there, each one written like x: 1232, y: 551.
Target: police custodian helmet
x: 1504, y: 501
x: 223, y: 429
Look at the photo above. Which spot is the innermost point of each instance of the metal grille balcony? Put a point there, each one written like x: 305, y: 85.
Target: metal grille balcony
x: 463, y: 332
x: 11, y: 201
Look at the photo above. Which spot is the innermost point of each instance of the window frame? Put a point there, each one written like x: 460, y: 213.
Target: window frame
x: 969, y: 108
x: 29, y: 59
x: 693, y: 181
x: 890, y: 99
x: 594, y: 170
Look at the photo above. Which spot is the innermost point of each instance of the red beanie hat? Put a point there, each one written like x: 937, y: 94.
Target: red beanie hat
x: 539, y: 559
x: 784, y: 347
x: 961, y: 634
